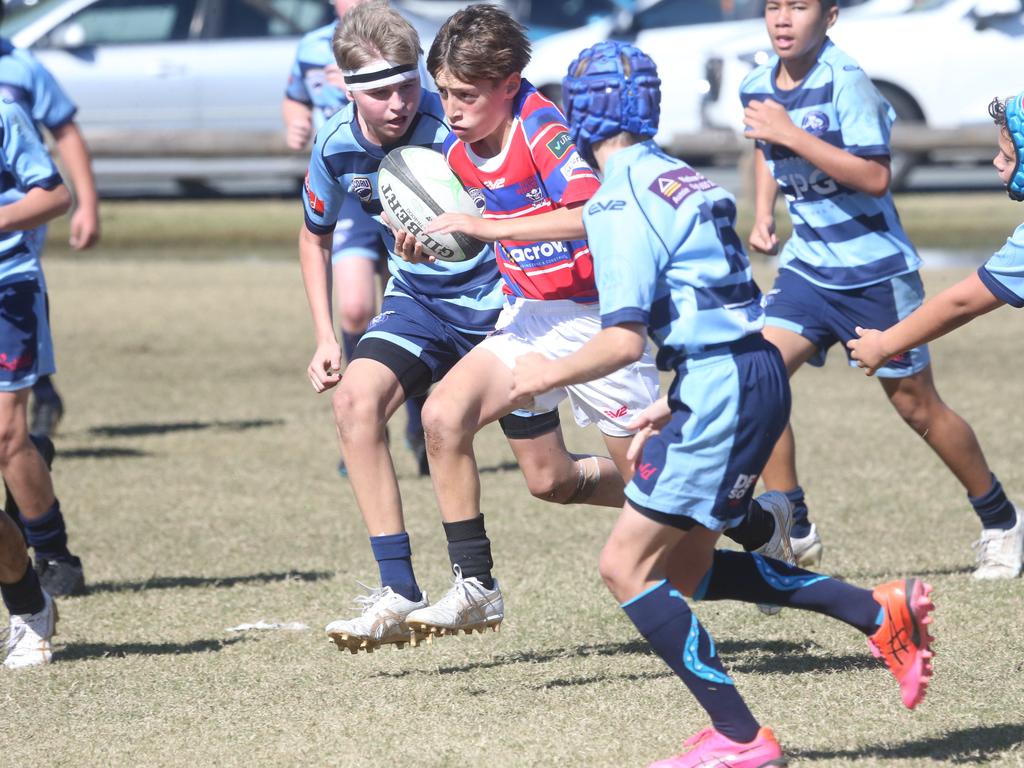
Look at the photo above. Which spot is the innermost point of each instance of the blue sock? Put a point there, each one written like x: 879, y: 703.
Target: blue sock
x: 801, y: 523
x: 25, y: 595
x: 752, y: 578
x: 666, y: 622
x: 394, y: 558
x: 348, y: 344
x: 994, y: 509
x: 414, y: 411
x: 47, y: 534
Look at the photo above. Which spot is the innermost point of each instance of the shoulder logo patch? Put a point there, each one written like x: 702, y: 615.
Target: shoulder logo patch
x: 559, y: 145
x: 677, y: 185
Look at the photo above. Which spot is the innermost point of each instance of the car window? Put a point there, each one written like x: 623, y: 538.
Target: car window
x: 130, y: 21
x: 273, y: 18
x: 564, y: 14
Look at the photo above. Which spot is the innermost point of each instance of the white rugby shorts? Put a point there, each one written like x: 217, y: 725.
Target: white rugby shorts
x: 557, y: 328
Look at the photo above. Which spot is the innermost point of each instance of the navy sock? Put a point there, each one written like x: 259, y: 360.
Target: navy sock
x: 47, y: 534
x: 994, y: 509
x: 801, y: 523
x: 43, y: 388
x: 755, y: 530
x: 25, y: 595
x: 393, y: 554
x: 348, y: 344
x: 666, y: 622
x: 414, y: 411
x: 754, y: 579
x: 470, y: 549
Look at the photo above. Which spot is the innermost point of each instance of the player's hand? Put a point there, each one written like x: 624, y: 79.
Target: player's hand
x: 763, y: 238
x: 529, y: 378
x: 407, y: 247
x: 333, y: 76
x: 474, y: 226
x: 649, y: 422
x: 85, y: 228
x: 768, y: 120
x: 867, y: 351
x: 325, y: 367
x: 298, y: 132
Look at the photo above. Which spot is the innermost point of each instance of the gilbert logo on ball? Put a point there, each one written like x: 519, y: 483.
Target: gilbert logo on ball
x: 416, y: 186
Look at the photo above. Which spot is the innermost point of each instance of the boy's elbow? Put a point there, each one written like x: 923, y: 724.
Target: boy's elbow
x: 877, y: 184
x: 60, y: 199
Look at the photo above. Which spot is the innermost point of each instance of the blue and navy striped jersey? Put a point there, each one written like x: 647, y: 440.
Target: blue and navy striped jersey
x: 666, y: 254
x: 307, y: 83
x: 28, y: 83
x: 1003, y: 273
x: 24, y: 164
x: 465, y: 294
x: 841, y: 238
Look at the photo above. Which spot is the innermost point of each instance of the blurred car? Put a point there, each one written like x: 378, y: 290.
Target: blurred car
x: 179, y: 87
x: 938, y: 63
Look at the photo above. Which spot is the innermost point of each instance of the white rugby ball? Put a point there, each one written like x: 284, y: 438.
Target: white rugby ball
x: 416, y: 186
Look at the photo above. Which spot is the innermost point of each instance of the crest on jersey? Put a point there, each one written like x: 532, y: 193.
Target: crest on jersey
x: 361, y: 187
x: 677, y: 185
x: 535, y: 196
x: 815, y: 123
x: 477, y: 196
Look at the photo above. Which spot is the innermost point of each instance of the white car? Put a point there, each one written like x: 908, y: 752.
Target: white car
x: 938, y: 63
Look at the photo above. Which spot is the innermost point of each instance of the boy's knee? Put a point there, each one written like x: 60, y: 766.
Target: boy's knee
x: 353, y: 408
x: 554, y: 484
x: 355, y: 317
x: 917, y: 411
x: 444, y: 425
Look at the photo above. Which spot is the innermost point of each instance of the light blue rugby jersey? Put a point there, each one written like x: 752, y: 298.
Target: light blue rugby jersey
x: 666, y: 255
x: 1003, y: 273
x: 25, y: 164
x: 465, y: 294
x: 841, y: 238
x: 307, y: 84
x: 24, y: 80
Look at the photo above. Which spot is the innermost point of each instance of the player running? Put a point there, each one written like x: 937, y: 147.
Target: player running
x: 821, y: 131
x: 681, y: 276
x: 315, y: 92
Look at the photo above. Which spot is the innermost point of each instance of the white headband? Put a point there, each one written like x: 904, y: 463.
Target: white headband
x: 377, y: 74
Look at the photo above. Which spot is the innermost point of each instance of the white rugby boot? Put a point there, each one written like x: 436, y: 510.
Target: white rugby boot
x: 382, y: 621
x: 999, y: 552
x: 28, y: 639
x: 778, y: 546
x: 807, y: 549
x: 467, y: 606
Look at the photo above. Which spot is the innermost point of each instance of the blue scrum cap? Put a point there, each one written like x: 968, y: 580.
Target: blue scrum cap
x: 611, y: 87
x: 1015, y: 127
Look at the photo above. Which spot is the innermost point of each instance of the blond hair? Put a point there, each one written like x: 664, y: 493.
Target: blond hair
x: 374, y: 30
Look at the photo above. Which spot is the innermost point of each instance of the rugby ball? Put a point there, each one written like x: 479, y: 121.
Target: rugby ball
x: 416, y: 186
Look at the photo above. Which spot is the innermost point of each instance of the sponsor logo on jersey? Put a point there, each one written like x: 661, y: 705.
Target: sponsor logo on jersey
x: 611, y: 205
x: 675, y: 186
x: 560, y: 144
x: 574, y: 165
x: 315, y: 203
x: 542, y: 252
x: 815, y: 123
x: 498, y: 183
x: 618, y: 413
x: 361, y: 187
x: 535, y: 196
x: 742, y: 486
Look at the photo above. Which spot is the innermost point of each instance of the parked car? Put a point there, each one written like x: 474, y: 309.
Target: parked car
x: 177, y: 88
x: 938, y: 63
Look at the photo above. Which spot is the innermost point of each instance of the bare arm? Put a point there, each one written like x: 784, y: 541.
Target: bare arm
x: 766, y: 192
x: 298, y: 123
x: 611, y: 349
x: 37, y: 207
x: 955, y: 306
x: 315, y: 262
x: 769, y: 121
x: 74, y: 154
x: 559, y: 224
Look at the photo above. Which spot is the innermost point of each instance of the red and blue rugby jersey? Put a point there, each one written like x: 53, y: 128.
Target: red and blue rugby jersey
x: 537, y: 171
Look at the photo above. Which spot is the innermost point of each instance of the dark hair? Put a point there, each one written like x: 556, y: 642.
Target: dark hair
x: 481, y: 42
x: 997, y: 111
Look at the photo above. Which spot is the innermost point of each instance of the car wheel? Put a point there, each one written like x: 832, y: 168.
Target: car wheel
x: 907, y: 111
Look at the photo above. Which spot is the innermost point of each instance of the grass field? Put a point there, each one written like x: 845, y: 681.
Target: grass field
x: 196, y: 469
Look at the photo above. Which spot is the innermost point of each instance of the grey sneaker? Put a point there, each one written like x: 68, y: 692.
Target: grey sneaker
x: 807, y: 549
x: 382, y: 621
x: 28, y: 640
x: 778, y: 546
x: 467, y: 606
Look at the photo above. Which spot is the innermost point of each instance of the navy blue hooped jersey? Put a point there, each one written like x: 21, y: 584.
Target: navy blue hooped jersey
x: 344, y: 164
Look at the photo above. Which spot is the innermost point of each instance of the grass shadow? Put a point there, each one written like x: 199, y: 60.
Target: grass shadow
x: 978, y: 745
x: 111, y: 452
x: 873, y: 577
x: 177, y: 582
x: 82, y: 651
x: 143, y: 430
x: 505, y: 466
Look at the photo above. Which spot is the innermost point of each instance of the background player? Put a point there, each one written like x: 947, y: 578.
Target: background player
x: 432, y: 314
x: 728, y: 403
x: 316, y: 91
x: 999, y: 281
x: 822, y: 137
